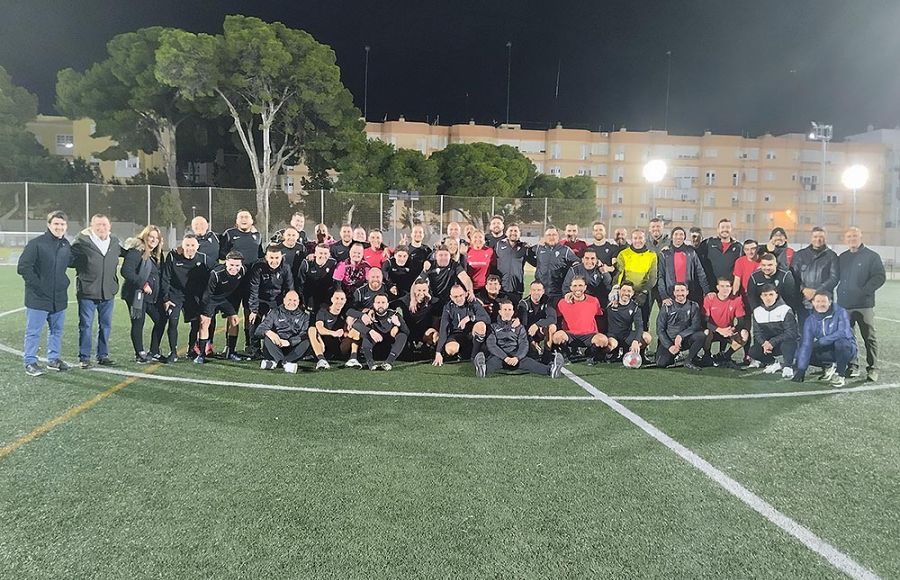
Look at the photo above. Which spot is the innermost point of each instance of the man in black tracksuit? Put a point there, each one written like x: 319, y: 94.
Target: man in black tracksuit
x: 385, y: 330
x: 552, y: 261
x: 775, y: 332
x: 626, y: 324
x: 182, y: 281
x: 298, y: 222
x: 718, y: 254
x: 245, y: 239
x: 771, y: 273
x: 507, y: 347
x: 538, y: 316
x: 490, y: 296
x: 222, y: 294
x: 599, y: 283
x: 510, y: 253
x: 398, y: 273
x: 815, y: 269
x: 419, y: 310
x: 270, y: 280
x: 208, y: 241
x: 315, y: 279
x: 364, y: 296
x: 284, y: 332
x: 463, y: 320
x: 680, y: 327
x: 861, y: 274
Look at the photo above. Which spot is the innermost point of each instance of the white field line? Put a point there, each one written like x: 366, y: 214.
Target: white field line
x: 835, y: 557
x: 887, y: 319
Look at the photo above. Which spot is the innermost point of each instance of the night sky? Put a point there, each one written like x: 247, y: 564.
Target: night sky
x: 737, y: 67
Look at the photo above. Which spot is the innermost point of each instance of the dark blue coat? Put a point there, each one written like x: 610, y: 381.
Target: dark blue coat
x: 43, y: 265
x: 823, y: 329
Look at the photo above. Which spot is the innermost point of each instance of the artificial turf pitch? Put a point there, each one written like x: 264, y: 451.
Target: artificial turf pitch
x: 183, y: 479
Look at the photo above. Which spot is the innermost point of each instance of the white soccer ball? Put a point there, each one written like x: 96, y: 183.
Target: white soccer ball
x: 632, y: 360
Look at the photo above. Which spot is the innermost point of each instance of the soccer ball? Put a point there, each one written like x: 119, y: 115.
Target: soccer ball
x: 632, y: 360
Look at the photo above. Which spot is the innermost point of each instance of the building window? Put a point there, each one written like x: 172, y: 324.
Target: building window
x: 617, y: 213
x: 620, y: 153
x: 555, y: 151
x: 767, y: 198
x: 710, y: 178
x: 539, y: 167
x: 619, y: 174
x: 735, y: 179
x: 750, y: 218
x: 710, y: 198
x: 583, y: 171
x: 711, y: 153
x: 770, y: 176
x: 555, y: 170
x: 602, y: 170
x: 65, y: 144
x: 585, y: 151
x: 288, y: 184
x: 770, y: 155
x: 831, y: 198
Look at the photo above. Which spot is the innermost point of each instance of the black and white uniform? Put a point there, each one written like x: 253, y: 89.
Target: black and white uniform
x: 421, y: 320
x: 551, y: 264
x: 330, y: 322
x: 507, y: 340
x: 452, y: 315
x: 289, y: 325
x: 625, y: 323
x: 418, y: 257
x: 401, y: 277
x: 543, y: 314
x: 316, y: 283
x: 182, y: 282
x: 776, y: 324
x: 685, y: 320
x: 383, y: 324
x: 510, y: 258
x: 222, y: 292
x: 441, y: 278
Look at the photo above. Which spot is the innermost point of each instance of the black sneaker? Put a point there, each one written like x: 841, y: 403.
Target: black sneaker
x: 58, y: 365
x: 234, y: 357
x: 157, y: 357
x: 199, y: 360
x: 85, y: 364
x: 105, y: 362
x: 557, y: 365
x: 172, y: 358
x: 691, y: 366
x: 141, y: 358
x: 33, y: 370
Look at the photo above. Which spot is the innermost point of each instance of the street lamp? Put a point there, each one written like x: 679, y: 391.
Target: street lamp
x: 822, y: 133
x: 855, y: 178
x: 654, y: 172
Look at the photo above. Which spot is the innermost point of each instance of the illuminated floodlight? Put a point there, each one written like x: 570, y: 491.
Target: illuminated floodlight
x: 855, y: 177
x: 655, y: 170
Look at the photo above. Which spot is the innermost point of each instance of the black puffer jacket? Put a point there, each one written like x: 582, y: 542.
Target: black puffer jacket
x: 816, y: 269
x: 695, y: 274
x: 43, y: 265
x: 861, y: 274
x: 775, y: 323
x: 507, y: 340
x: 132, y: 281
x: 678, y: 319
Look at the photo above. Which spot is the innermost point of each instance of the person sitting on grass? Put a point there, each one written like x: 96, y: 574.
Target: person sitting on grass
x: 578, y: 313
x: 827, y: 341
x: 507, y: 348
x: 284, y: 331
x: 774, y: 333
x: 464, y: 322
x: 680, y: 328
x: 538, y: 317
x: 420, y: 310
x: 724, y: 314
x: 328, y: 337
x: 626, y: 325
x: 222, y: 295
x: 385, y: 331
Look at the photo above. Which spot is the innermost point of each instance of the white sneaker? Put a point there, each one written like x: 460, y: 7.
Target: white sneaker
x: 480, y: 366
x: 290, y: 367
x: 772, y: 368
x: 267, y: 365
x: 353, y: 364
x: 837, y: 381
x: 386, y: 366
x: 322, y: 365
x: 557, y: 365
x: 828, y: 373
x: 787, y: 373
x: 754, y: 364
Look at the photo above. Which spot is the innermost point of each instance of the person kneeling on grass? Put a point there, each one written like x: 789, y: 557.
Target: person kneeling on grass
x: 284, y: 333
x: 724, y: 314
x: 384, y: 331
x: 774, y: 332
x: 464, y: 321
x: 626, y: 325
x: 680, y: 328
x: 507, y: 347
x: 827, y: 341
x: 578, y: 312
x: 328, y: 337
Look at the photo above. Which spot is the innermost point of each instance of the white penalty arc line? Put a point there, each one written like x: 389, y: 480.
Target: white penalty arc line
x: 835, y: 557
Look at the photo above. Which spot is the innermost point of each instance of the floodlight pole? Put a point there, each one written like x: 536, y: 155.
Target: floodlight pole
x: 508, y: 75
x: 822, y: 133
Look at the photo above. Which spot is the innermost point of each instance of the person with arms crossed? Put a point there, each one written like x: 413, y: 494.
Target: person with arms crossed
x: 464, y: 322
x: 285, y: 334
x: 679, y: 327
x: 774, y: 333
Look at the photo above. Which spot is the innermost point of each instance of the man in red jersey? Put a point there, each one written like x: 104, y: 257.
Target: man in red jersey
x: 479, y: 260
x: 572, y: 240
x: 725, y: 323
x: 746, y: 265
x: 579, y: 320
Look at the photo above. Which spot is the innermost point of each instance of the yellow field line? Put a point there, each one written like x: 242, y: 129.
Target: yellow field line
x: 68, y: 415
x: 9, y: 448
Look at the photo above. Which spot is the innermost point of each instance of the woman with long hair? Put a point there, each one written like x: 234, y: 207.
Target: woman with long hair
x: 140, y: 288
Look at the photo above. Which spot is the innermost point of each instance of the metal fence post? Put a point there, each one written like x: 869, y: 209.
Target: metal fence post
x: 394, y: 215
x: 209, y: 202
x: 492, y: 205
x: 442, y: 213
x: 381, y: 211
x: 322, y: 206
x: 87, y: 204
x: 148, y: 204
x: 267, y: 228
x: 545, y: 212
x: 26, y: 211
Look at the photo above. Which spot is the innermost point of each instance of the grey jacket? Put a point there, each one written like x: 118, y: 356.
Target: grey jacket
x: 96, y: 277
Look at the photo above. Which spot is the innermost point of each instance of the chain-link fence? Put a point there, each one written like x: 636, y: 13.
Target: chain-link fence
x: 23, y: 207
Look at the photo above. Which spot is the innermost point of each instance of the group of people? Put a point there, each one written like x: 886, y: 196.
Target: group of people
x: 355, y: 300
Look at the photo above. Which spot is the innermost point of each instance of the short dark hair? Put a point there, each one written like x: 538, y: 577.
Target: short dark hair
x: 503, y: 301
x: 273, y: 248
x: 497, y: 216
x: 441, y: 248
x: 323, y: 246
x: 768, y: 288
x: 749, y: 241
x: 723, y: 221
x: 234, y: 255
x: 57, y: 215
x: 190, y: 236
x: 492, y: 278
x: 725, y: 279
x: 401, y: 249
x: 626, y: 283
x: 768, y: 257
x: 696, y: 230
x: 677, y: 284
x: 822, y: 293
x: 818, y: 229
x: 533, y: 282
x: 589, y: 251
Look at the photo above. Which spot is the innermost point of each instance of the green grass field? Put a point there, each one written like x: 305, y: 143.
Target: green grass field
x: 182, y: 478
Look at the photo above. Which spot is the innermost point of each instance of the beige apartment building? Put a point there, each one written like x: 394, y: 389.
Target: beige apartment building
x: 759, y: 183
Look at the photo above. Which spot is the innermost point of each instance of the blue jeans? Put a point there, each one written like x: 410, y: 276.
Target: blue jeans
x: 86, y: 310
x: 34, y: 324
